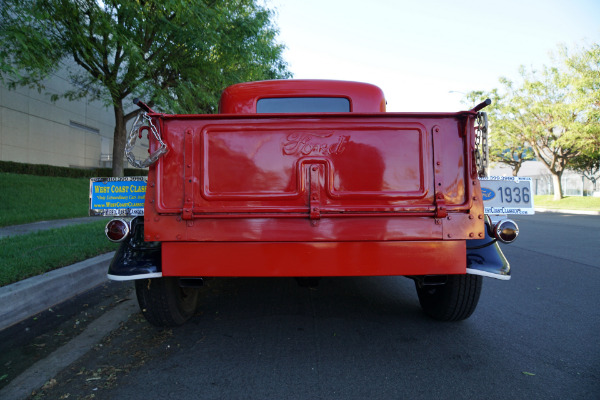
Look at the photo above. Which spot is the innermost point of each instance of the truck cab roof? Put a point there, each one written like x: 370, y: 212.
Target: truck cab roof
x: 301, y: 96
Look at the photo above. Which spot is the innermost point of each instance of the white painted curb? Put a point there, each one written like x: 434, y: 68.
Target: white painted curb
x: 578, y: 212
x: 28, y: 297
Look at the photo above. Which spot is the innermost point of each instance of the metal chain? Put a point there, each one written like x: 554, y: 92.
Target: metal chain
x: 143, y: 120
x: 481, y: 144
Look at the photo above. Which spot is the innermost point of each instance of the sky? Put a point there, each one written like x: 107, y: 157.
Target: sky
x: 424, y: 53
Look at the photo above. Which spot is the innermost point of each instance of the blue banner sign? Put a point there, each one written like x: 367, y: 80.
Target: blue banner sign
x: 118, y: 196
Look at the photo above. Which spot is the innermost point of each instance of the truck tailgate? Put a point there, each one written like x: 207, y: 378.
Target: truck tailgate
x: 408, y: 167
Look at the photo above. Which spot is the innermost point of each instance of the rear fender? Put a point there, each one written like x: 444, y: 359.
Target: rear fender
x: 136, y: 258
x: 485, y: 258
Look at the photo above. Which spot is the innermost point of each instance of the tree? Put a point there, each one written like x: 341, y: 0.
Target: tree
x: 588, y: 165
x: 554, y: 112
x: 504, y: 145
x: 176, y: 54
x: 513, y: 154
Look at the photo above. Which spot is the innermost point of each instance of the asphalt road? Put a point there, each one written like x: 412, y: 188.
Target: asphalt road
x: 533, y: 337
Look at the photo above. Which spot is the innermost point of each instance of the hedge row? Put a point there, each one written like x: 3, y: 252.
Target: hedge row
x: 51, y: 170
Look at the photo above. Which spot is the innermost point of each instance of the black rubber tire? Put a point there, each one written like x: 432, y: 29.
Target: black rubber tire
x: 164, y: 303
x: 454, y: 301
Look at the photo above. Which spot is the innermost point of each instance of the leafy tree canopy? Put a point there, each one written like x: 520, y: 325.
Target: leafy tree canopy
x: 555, y: 112
x: 176, y: 54
x: 588, y: 165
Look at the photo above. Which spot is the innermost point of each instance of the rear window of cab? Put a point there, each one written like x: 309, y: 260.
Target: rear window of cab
x: 302, y: 105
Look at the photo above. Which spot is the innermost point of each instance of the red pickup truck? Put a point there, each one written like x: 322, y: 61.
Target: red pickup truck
x: 306, y: 179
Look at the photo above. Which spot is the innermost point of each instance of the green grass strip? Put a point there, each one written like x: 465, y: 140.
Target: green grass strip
x: 24, y: 256
x: 586, y: 203
x: 29, y: 198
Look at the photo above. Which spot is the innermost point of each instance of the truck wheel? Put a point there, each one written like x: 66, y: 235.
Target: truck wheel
x: 164, y: 303
x: 453, y: 301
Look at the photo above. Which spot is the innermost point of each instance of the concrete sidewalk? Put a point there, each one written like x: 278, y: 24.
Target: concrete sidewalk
x: 15, y: 230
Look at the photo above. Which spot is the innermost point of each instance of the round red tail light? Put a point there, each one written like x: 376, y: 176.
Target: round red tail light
x: 117, y: 230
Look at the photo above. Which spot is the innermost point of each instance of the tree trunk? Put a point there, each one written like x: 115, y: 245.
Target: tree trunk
x: 515, y: 171
x: 119, y: 140
x: 557, y: 184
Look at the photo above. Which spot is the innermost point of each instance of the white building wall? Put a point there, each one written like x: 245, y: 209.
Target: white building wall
x: 572, y: 182
x: 35, y: 130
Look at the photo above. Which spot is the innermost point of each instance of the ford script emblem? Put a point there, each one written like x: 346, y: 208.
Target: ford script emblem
x: 488, y: 194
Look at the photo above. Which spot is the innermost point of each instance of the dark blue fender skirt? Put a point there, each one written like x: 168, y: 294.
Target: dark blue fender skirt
x: 485, y: 258
x: 135, y: 258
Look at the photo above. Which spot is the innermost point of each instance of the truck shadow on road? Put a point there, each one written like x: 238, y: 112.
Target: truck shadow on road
x: 252, y: 333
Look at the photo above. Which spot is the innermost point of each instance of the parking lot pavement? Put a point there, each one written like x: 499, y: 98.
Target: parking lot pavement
x: 33, y: 351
